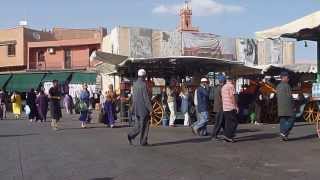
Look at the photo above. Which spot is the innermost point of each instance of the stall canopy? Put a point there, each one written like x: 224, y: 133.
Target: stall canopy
x: 60, y: 76
x: 24, y: 82
x: 305, y: 28
x: 110, y: 61
x: 4, y: 78
x: 183, y: 65
x: 82, y: 77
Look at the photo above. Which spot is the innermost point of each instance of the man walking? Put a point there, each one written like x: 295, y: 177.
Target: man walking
x: 172, y: 103
x: 230, y: 110
x: 141, y: 109
x: 200, y: 126
x: 55, y: 108
x: 3, y: 108
x: 285, y: 106
x: 217, y: 108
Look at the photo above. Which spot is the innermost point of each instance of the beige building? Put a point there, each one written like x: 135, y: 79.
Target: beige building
x: 21, y: 47
x: 13, y: 47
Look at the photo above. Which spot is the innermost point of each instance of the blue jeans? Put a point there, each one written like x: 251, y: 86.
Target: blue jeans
x: 286, y: 124
x: 201, y: 124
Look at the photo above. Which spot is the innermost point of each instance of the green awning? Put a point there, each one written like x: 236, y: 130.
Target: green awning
x: 24, y: 82
x: 81, y: 78
x: 4, y: 79
x: 60, y: 76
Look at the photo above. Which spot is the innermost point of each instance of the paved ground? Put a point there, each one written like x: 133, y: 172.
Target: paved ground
x: 32, y: 151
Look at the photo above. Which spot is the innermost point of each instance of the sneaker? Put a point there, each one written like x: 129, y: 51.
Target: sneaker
x: 230, y: 140
x: 83, y: 126
x: 283, y: 137
x: 112, y: 126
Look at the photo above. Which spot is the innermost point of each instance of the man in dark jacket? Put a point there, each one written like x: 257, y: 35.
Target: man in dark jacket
x: 141, y: 109
x: 285, y: 106
x: 217, y: 108
x: 200, y: 126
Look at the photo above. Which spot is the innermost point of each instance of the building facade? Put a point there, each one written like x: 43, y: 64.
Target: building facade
x: 22, y: 48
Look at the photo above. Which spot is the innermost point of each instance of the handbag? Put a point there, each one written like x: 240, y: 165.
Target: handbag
x: 83, y: 106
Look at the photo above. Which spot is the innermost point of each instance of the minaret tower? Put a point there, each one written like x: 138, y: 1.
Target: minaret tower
x: 186, y: 18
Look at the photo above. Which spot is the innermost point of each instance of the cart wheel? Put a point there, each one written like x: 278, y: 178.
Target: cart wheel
x: 157, y: 113
x: 310, y: 112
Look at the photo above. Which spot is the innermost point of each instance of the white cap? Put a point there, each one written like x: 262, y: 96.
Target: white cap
x: 204, y: 80
x: 142, y: 72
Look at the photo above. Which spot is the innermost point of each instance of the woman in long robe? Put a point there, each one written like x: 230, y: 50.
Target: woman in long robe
x: 109, y: 109
x: 42, y: 106
x: 31, y: 102
x: 16, y: 104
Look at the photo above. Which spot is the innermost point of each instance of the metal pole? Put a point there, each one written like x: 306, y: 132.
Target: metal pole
x: 318, y: 61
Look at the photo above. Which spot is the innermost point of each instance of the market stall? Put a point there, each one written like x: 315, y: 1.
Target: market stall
x: 305, y: 28
x: 168, y: 68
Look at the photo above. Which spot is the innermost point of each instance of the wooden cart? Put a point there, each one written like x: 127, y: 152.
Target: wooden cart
x: 311, y: 113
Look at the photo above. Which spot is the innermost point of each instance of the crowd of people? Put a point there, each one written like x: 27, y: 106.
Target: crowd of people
x: 194, y: 104
x: 225, y: 108
x: 38, y: 104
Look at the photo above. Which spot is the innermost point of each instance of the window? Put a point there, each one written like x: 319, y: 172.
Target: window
x: 67, y: 59
x: 41, y: 57
x: 11, y: 49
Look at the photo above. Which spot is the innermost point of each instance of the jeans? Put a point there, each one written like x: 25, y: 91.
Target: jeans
x: 173, y: 109
x: 286, y: 124
x: 186, y: 119
x: 201, y: 124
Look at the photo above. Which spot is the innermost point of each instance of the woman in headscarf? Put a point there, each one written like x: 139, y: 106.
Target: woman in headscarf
x: 42, y: 106
x: 84, y: 105
x: 16, y: 104
x: 31, y: 102
x: 109, y: 110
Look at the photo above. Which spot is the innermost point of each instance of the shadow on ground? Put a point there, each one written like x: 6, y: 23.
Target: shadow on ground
x: 106, y: 178
x: 311, y: 136
x: 16, y: 135
x: 257, y: 137
x: 194, y: 140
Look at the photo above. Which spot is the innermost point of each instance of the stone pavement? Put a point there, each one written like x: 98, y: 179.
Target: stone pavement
x: 32, y: 151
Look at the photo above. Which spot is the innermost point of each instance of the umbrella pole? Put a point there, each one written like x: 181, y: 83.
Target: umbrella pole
x: 318, y: 61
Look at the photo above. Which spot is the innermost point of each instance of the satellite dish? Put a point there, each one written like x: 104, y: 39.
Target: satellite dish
x: 23, y: 23
x: 36, y: 36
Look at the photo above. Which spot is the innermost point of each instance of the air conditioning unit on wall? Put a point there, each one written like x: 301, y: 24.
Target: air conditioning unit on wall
x: 51, y: 50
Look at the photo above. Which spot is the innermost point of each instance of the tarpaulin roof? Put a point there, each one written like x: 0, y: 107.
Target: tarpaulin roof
x: 184, y: 65
x: 275, y: 69
x: 4, y: 79
x: 60, y: 76
x: 81, y: 78
x: 305, y: 28
x: 24, y: 82
x: 110, y: 61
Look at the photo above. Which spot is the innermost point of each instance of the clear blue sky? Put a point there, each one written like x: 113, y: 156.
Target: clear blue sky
x: 235, y: 18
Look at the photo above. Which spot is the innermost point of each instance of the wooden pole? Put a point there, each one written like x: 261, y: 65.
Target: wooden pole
x: 318, y: 61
